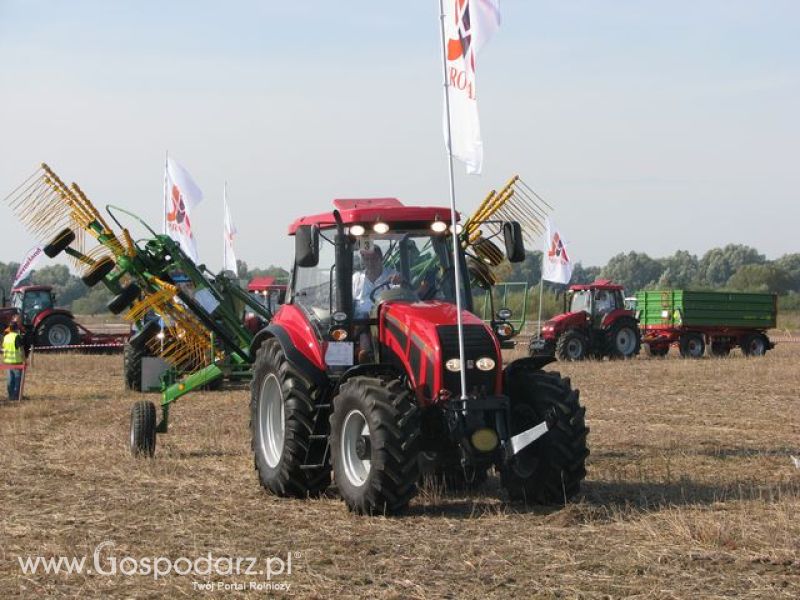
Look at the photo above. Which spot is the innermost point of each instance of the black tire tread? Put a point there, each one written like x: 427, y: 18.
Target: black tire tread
x: 143, y: 426
x: 561, y: 345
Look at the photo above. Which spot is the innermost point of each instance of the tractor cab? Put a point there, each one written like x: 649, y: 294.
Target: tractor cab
x: 32, y: 300
x: 596, y: 302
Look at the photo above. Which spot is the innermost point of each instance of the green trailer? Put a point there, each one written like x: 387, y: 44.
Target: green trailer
x: 696, y: 321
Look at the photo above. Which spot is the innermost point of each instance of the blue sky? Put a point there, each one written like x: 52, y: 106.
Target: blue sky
x: 649, y: 126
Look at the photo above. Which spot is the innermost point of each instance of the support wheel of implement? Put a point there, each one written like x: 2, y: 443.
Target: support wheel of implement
x: 692, y: 345
x: 623, y: 340
x: 375, y: 433
x: 98, y: 271
x: 124, y: 299
x: 143, y: 429
x: 57, y: 330
x: 551, y: 469
x: 281, y: 425
x: 572, y: 345
x: 754, y: 344
x: 59, y: 243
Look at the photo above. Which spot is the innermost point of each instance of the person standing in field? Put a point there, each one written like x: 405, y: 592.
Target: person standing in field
x: 13, y: 354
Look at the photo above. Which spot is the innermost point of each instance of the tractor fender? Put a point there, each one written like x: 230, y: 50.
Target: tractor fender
x: 290, y: 351
x: 49, y: 312
x: 529, y: 362
x: 616, y: 315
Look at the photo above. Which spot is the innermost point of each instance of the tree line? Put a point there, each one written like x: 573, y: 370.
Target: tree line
x: 734, y: 267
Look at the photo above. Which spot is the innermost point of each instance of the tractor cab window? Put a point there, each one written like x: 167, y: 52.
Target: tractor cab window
x: 581, y: 301
x: 34, y: 302
x: 605, y: 301
x: 313, y: 286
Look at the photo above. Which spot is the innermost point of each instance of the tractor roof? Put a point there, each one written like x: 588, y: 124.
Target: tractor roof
x: 370, y: 210
x: 598, y: 284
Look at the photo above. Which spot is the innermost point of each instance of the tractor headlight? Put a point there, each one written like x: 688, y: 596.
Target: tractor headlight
x: 485, y: 363
x: 504, y: 314
x: 453, y: 365
x: 380, y: 228
x: 438, y: 226
x: 339, y: 316
x: 356, y: 230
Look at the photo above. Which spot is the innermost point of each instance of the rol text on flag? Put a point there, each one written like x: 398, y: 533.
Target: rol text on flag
x: 27, y: 264
x: 469, y: 24
x: 182, y: 196
x: 228, y: 258
x: 556, y: 262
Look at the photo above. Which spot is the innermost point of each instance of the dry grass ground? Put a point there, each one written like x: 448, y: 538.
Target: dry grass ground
x: 690, y: 494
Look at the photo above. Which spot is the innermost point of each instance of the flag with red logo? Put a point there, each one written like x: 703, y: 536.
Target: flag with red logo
x: 182, y: 196
x: 556, y: 262
x: 229, y: 257
x: 27, y: 264
x: 469, y: 24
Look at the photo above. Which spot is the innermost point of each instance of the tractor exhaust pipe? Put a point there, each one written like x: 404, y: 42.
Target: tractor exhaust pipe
x: 343, y: 289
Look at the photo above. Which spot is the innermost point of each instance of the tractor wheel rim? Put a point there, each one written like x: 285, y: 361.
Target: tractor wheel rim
x: 574, y: 349
x: 625, y: 341
x: 354, y: 429
x: 271, y: 426
x: 59, y: 335
x: 756, y: 347
x: 694, y: 348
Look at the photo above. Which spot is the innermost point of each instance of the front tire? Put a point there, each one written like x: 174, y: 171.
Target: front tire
x: 375, y: 433
x: 572, y: 345
x: 281, y: 424
x: 550, y: 470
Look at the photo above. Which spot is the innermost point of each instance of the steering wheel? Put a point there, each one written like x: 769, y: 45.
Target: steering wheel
x: 387, y: 284
x: 438, y: 283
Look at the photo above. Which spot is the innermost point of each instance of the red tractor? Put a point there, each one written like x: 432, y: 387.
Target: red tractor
x: 44, y: 324
x: 597, y: 324
x: 357, y: 378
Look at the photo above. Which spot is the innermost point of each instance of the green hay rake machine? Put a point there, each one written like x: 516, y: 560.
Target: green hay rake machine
x: 199, y: 331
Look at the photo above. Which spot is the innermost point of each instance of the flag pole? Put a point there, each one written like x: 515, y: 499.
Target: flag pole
x: 224, y: 226
x: 454, y: 232
x: 164, y: 215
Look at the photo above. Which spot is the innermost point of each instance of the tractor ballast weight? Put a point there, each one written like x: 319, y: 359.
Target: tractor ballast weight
x: 372, y: 396
x: 594, y: 324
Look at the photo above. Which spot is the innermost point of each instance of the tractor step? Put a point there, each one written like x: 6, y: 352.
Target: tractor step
x: 307, y: 467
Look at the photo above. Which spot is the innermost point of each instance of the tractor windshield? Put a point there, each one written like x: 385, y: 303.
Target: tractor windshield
x: 408, y: 266
x: 581, y: 301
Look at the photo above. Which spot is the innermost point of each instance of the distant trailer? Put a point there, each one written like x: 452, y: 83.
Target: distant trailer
x: 700, y: 321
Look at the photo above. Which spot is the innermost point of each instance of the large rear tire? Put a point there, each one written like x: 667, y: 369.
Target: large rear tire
x: 375, y: 434
x: 572, y: 345
x: 56, y: 331
x: 551, y: 469
x: 281, y: 424
x: 692, y: 345
x: 132, y: 366
x: 623, y: 340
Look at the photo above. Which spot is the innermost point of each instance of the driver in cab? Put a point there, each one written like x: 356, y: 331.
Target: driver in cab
x: 374, y: 275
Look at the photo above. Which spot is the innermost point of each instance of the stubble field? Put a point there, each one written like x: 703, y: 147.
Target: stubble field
x: 691, y: 493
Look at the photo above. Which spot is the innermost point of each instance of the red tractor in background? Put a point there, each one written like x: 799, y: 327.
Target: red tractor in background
x: 596, y: 325
x: 365, y: 386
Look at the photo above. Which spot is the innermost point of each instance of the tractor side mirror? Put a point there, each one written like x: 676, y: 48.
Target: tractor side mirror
x: 306, y: 246
x: 515, y: 247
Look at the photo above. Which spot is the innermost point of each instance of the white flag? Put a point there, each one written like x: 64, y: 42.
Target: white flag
x: 469, y: 24
x: 27, y: 264
x: 228, y: 256
x: 182, y: 196
x: 556, y: 263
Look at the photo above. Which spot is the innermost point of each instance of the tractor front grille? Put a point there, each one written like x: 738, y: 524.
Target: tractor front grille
x: 478, y: 342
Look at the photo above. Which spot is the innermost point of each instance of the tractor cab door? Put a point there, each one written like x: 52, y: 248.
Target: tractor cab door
x: 31, y: 303
x: 604, y: 302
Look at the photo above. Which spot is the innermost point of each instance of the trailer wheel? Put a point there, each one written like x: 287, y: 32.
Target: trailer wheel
x: 550, y: 470
x: 281, y: 425
x: 375, y: 433
x: 124, y: 299
x: 754, y: 344
x: 59, y: 243
x: 692, y: 345
x: 445, y: 469
x: 98, y: 271
x: 57, y: 330
x: 143, y: 429
x: 719, y: 349
x: 623, y: 340
x: 572, y: 345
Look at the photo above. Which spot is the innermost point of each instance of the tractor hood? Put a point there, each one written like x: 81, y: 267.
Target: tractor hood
x: 423, y: 336
x: 559, y: 323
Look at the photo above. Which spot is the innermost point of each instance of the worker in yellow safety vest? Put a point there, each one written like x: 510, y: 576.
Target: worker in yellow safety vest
x: 13, y: 354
